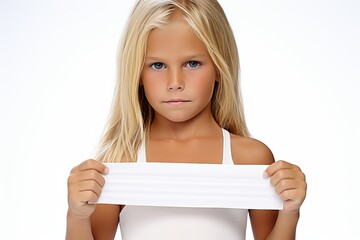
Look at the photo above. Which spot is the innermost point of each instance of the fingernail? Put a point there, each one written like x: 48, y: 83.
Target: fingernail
x: 265, y: 175
x: 106, y: 170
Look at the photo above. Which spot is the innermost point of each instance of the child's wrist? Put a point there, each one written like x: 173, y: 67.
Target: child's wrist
x: 75, y: 217
x: 292, y: 213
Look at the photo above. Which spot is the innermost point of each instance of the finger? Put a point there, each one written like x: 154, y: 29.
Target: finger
x: 90, y: 186
x: 295, y: 195
x: 286, y: 184
x: 85, y: 191
x: 85, y: 197
x: 283, y: 174
x: 276, y: 166
x: 89, y: 175
x: 91, y: 164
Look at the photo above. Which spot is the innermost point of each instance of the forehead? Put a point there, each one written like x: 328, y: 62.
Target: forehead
x: 175, y: 38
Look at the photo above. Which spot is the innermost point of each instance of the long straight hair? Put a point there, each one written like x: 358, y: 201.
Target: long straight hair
x: 131, y: 115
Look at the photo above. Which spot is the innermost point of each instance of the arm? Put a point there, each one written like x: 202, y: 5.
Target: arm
x: 89, y: 221
x: 78, y: 228
x: 102, y: 224
x: 289, y: 183
x: 104, y: 221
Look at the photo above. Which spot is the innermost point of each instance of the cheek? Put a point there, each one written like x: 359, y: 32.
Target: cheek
x: 149, y: 84
x: 150, y: 92
x: 205, y: 84
x: 208, y: 91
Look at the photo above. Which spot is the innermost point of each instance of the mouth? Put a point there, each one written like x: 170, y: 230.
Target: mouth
x: 176, y: 101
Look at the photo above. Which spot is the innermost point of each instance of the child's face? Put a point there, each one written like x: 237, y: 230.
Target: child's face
x: 179, y: 74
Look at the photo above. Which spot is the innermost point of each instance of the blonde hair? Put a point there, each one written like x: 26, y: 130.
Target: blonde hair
x: 131, y: 115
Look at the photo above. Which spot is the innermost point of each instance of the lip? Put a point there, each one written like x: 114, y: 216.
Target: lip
x: 176, y: 101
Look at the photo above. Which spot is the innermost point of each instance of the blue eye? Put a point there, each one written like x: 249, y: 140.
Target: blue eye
x: 193, y: 64
x: 157, y: 65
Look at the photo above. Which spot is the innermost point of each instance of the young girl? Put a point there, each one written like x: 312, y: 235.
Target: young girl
x: 178, y: 91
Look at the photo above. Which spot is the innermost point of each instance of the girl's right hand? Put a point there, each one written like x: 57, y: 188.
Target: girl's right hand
x: 85, y: 185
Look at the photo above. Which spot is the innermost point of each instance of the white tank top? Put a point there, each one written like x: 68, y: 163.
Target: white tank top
x: 175, y: 223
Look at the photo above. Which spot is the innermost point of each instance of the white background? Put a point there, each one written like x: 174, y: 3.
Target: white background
x: 300, y: 79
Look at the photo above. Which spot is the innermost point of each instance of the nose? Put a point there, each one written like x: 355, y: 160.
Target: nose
x: 176, y: 80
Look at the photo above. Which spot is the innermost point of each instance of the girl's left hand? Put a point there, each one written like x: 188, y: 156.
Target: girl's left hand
x: 289, y: 182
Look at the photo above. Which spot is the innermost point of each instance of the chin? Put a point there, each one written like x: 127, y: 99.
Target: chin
x: 179, y: 119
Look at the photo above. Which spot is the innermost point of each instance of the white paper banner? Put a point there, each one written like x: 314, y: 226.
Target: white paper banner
x: 189, y: 185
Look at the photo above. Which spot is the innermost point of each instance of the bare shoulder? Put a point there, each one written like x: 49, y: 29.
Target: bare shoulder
x: 247, y: 150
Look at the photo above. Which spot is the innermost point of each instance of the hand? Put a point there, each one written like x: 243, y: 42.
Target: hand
x: 84, y: 185
x: 289, y: 182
